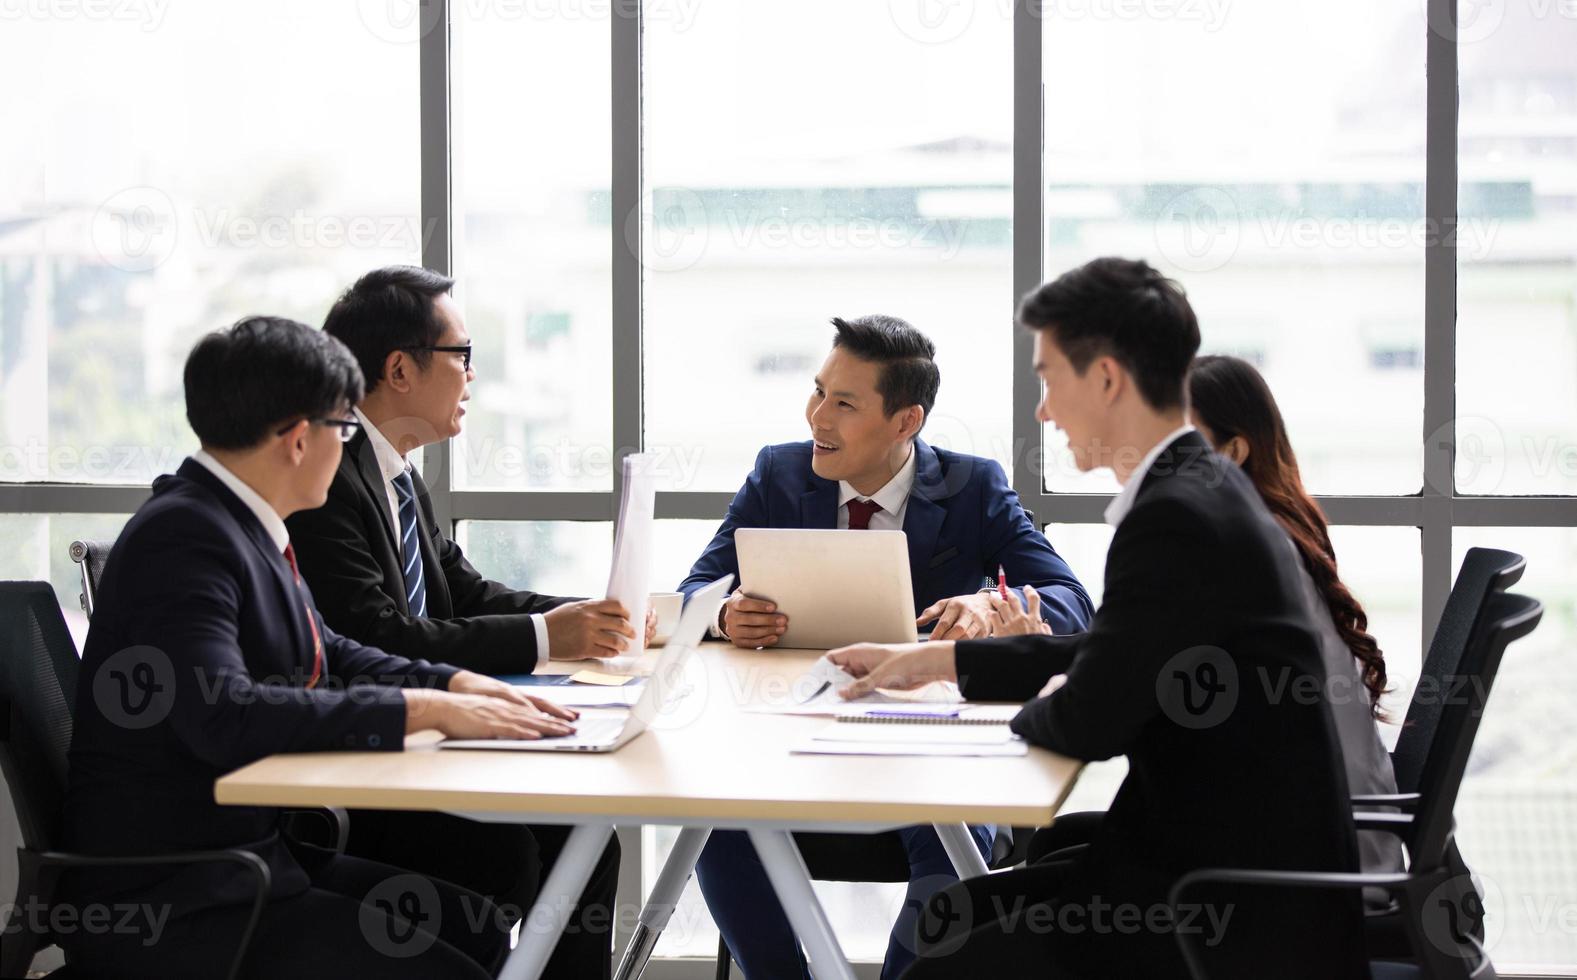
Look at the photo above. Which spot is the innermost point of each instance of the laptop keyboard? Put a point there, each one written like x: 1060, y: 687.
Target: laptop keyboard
x: 598, y: 729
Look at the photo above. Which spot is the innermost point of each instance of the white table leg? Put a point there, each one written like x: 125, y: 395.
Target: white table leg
x: 545, y: 922
x: 660, y: 904
x: 790, y: 878
x: 961, y: 850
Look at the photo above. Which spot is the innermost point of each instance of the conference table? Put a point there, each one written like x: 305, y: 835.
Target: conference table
x: 711, y: 759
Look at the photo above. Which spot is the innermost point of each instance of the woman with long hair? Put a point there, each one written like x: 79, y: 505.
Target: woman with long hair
x: 1233, y: 408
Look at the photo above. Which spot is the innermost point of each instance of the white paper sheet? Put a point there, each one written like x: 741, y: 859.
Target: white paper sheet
x: 812, y: 747
x: 632, y: 548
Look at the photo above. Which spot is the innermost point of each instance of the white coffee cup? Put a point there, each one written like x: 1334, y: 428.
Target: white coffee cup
x: 668, y: 606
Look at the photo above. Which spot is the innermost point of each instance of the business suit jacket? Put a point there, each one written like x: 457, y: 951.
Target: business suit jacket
x: 962, y: 521
x: 348, y: 549
x: 1188, y: 670
x: 195, y: 664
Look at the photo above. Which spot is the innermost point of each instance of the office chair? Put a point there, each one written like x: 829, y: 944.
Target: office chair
x: 38, y: 680
x: 1435, y: 901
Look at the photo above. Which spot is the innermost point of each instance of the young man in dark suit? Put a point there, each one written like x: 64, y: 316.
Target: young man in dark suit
x: 387, y: 574
x: 1185, y: 670
x: 866, y: 466
x: 206, y: 653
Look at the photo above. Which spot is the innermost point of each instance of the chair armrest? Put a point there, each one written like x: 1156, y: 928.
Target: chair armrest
x: 1386, y: 799
x: 334, y: 817
x: 1396, y: 824
x: 1283, y: 879
x: 249, y: 862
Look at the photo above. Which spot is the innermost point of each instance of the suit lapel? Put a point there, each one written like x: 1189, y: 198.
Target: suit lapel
x: 922, y: 520
x: 364, y: 463
x: 284, y: 581
x: 818, y: 505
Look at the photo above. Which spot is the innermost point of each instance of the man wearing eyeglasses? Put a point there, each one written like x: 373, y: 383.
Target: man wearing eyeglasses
x: 387, y: 574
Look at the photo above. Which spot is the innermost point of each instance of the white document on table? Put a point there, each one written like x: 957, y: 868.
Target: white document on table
x: 629, y: 578
x: 815, y: 692
x: 1016, y: 747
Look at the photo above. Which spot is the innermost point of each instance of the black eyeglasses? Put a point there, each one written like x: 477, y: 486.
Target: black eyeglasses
x: 456, y: 349
x: 347, y: 427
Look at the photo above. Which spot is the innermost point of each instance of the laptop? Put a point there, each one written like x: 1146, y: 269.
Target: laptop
x: 836, y: 587
x: 604, y: 734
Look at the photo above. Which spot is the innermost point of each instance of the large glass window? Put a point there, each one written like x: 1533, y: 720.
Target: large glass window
x: 1281, y: 181
x: 533, y: 249
x: 859, y: 170
x: 1517, y: 270
x: 169, y: 168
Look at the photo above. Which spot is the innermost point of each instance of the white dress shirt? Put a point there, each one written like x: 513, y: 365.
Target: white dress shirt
x: 893, y: 498
x: 390, y: 465
x: 1123, y: 502
x: 264, y: 511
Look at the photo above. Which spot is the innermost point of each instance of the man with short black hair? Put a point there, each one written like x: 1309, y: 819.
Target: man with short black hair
x: 867, y: 467
x: 1202, y: 611
x: 387, y: 573
x: 201, y: 610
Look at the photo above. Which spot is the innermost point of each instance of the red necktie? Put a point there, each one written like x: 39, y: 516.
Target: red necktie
x: 860, y: 512
x: 312, y: 621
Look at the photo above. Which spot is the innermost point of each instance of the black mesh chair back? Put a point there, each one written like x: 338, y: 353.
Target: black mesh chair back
x: 91, y: 555
x: 1504, y: 618
x: 38, y: 680
x: 1484, y: 572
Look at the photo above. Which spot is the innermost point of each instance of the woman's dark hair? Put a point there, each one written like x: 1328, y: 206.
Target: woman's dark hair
x: 265, y: 371
x: 388, y: 309
x: 907, y: 358
x: 1230, y: 398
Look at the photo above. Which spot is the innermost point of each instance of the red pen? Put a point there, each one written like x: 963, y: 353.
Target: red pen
x: 1002, y: 583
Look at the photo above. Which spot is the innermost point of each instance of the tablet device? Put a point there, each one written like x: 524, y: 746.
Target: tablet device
x: 835, y: 587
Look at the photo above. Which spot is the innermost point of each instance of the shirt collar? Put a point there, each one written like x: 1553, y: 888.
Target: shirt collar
x: 390, y: 463
x: 1123, y: 502
x: 891, y: 497
x: 260, y: 508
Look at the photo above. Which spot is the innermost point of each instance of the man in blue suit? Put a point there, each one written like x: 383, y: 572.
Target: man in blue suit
x: 865, y: 467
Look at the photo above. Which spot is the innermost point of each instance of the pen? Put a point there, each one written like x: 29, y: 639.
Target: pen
x: 1002, y: 583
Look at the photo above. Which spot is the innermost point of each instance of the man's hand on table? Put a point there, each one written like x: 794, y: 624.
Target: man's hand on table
x: 476, y: 706
x: 896, y: 666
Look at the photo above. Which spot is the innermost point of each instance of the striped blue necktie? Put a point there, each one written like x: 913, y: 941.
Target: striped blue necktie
x: 410, y: 545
